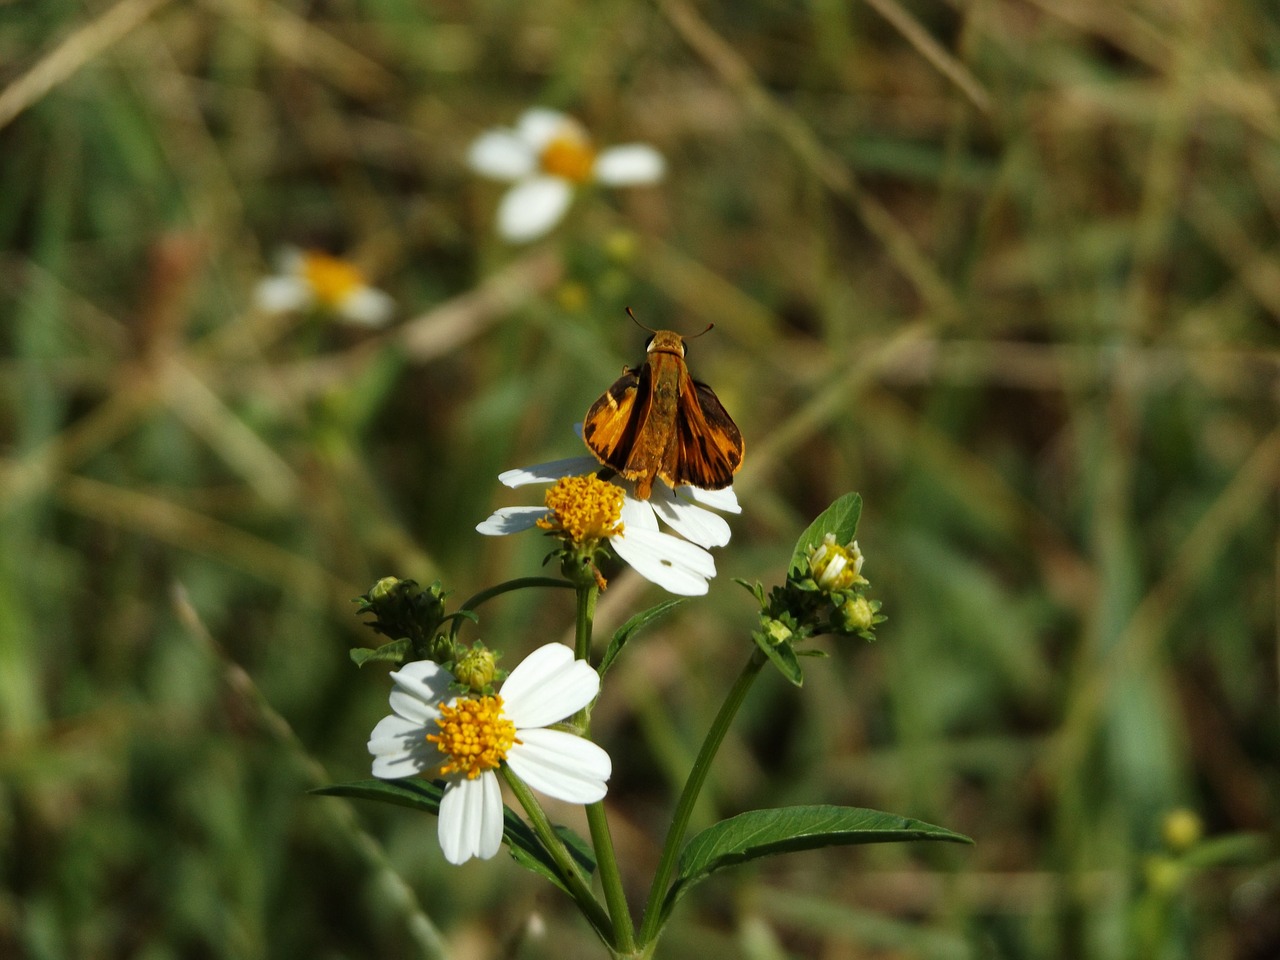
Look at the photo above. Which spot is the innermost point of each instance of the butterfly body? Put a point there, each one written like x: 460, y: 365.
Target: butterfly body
x: 657, y: 422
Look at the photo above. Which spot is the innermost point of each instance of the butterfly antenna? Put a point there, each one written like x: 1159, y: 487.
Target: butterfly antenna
x: 638, y: 323
x: 701, y: 332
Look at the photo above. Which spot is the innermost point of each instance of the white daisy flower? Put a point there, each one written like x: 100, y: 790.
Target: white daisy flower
x: 680, y: 566
x: 309, y: 279
x: 546, y: 156
x: 465, y: 739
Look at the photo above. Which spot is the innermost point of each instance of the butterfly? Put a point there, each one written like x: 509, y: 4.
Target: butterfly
x: 656, y: 421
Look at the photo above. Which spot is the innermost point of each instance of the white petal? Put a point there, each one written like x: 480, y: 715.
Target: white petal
x: 629, y: 165
x: 282, y: 294
x: 695, y: 524
x: 419, y: 687
x: 673, y: 564
x: 549, y: 472
x: 506, y: 520
x: 548, y: 685
x: 725, y: 500
x: 532, y: 207
x: 561, y: 765
x: 367, y: 307
x: 400, y: 749
x: 539, y: 126
x: 638, y: 515
x: 471, y: 818
x: 502, y: 155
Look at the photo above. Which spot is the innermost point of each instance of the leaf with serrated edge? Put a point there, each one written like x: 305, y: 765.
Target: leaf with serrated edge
x: 641, y: 621
x: 841, y: 518
x: 526, y: 849
x: 762, y: 833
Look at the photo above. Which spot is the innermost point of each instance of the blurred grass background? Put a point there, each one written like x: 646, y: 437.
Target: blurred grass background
x: 1006, y: 267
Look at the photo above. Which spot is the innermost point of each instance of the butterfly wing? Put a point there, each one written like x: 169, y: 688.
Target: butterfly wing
x: 613, y: 422
x: 709, y: 444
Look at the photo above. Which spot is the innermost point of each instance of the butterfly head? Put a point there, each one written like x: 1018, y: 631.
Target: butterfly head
x: 665, y: 341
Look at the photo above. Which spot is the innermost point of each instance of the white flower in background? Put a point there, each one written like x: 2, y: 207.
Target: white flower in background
x: 465, y: 739
x: 312, y: 279
x: 680, y: 566
x: 546, y: 156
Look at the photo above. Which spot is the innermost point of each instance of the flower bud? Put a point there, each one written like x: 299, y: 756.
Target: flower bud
x: 777, y: 632
x: 835, y: 568
x: 476, y: 668
x: 1181, y: 829
x: 857, y: 614
x: 381, y: 591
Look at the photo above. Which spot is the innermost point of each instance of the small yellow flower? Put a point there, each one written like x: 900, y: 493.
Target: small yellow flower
x: 835, y: 568
x: 547, y: 156
x: 310, y: 279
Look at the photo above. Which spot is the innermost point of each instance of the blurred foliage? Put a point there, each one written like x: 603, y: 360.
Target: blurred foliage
x: 1007, y: 268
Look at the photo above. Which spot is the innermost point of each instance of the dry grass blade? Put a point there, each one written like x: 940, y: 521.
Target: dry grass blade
x: 62, y: 62
x: 829, y: 169
x: 931, y: 50
x: 178, y: 526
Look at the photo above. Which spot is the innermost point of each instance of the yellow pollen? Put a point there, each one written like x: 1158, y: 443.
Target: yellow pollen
x: 474, y: 735
x: 570, y: 157
x: 331, y: 279
x: 584, y: 510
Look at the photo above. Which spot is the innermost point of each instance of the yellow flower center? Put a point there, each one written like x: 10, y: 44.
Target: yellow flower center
x: 569, y: 156
x: 474, y: 735
x: 834, y: 567
x: 331, y: 279
x: 584, y: 510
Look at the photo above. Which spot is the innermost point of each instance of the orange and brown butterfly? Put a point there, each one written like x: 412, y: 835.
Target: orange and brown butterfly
x: 656, y: 421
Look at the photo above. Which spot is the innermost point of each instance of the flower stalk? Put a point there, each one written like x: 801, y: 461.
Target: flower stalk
x: 651, y: 922
x: 569, y: 872
x: 601, y: 840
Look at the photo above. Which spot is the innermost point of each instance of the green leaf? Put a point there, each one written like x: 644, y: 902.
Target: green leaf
x: 394, y: 652
x: 642, y: 620
x: 783, y: 656
x: 526, y: 849
x: 762, y: 833
x: 841, y: 518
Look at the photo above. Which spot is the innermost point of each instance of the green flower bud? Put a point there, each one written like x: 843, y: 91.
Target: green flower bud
x: 381, y: 591
x: 476, y: 668
x: 857, y: 614
x: 777, y: 632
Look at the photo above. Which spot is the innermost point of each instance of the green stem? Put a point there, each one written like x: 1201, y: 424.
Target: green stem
x: 586, y: 614
x: 653, y: 919
x: 611, y: 878
x: 507, y: 586
x: 601, y: 841
x: 596, y: 915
